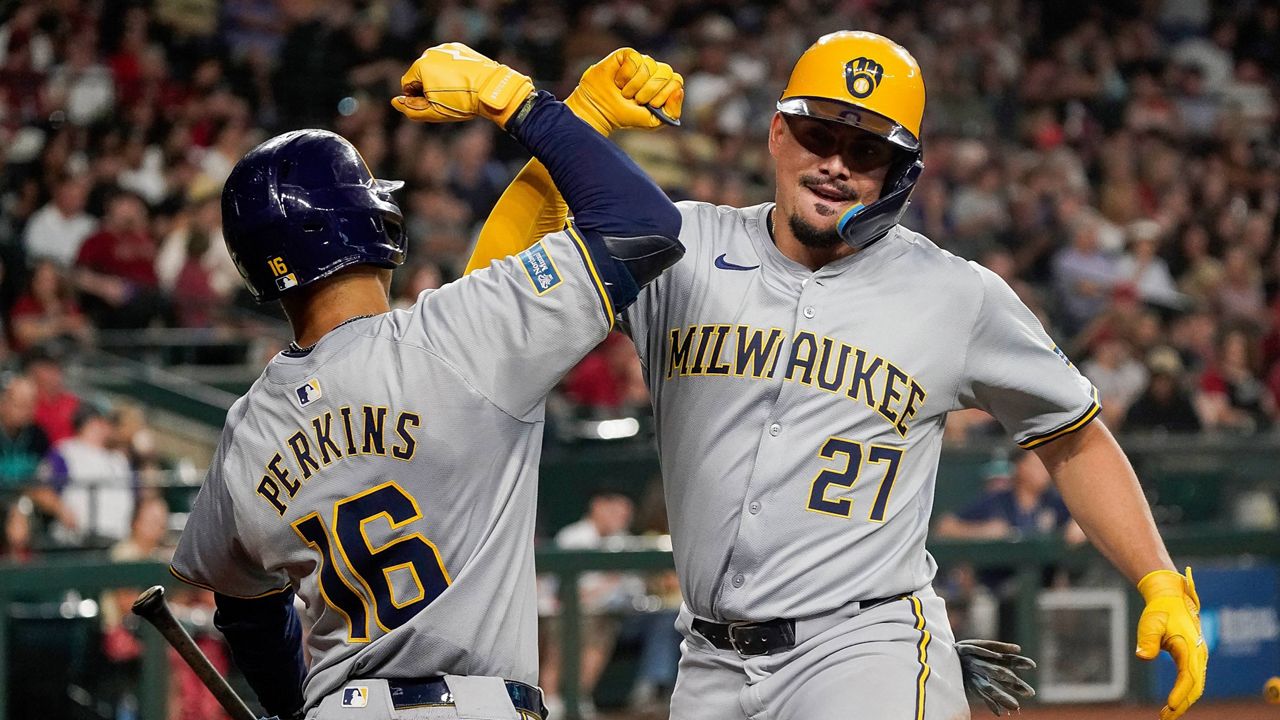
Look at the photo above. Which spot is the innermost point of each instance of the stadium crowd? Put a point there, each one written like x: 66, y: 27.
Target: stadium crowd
x: 1115, y: 161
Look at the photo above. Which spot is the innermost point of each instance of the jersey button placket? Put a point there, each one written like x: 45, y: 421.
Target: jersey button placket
x: 775, y: 430
x: 754, y: 508
x: 809, y: 312
x: 739, y: 580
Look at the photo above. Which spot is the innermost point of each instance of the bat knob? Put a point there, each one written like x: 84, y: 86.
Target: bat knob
x: 149, y: 601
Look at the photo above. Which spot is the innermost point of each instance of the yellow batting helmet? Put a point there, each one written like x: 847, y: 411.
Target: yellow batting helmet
x: 872, y: 83
x: 860, y: 79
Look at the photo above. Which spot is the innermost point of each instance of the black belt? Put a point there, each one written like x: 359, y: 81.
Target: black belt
x: 749, y: 639
x: 434, y: 691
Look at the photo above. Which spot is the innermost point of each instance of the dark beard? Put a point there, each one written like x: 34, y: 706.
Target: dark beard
x: 810, y: 236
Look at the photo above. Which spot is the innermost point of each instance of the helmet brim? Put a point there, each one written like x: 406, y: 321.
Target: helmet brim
x: 847, y: 114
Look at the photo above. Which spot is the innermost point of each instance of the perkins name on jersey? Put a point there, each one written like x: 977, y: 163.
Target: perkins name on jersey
x: 332, y: 437
x: 825, y: 363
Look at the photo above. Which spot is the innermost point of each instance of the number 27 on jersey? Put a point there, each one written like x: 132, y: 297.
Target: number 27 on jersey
x: 824, y: 491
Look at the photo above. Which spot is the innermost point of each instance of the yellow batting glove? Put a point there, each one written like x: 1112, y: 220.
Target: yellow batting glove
x: 452, y: 82
x: 1171, y: 621
x: 628, y: 89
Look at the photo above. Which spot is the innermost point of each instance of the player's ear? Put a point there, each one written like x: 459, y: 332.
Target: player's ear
x: 777, y: 129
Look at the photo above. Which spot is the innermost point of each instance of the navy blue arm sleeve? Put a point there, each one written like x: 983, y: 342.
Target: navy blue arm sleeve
x: 266, y: 643
x: 604, y: 189
x: 627, y: 224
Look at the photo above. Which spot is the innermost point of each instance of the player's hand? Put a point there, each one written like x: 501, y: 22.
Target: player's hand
x: 1171, y: 621
x: 989, y: 668
x: 628, y: 89
x: 452, y: 82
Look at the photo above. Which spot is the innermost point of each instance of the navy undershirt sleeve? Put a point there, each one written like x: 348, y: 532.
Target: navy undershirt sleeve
x: 265, y: 637
x: 604, y: 189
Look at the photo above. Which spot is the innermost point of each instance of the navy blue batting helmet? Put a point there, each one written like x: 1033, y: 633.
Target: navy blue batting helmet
x: 304, y: 205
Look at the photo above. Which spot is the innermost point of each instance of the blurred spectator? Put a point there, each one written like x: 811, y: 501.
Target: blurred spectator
x: 134, y: 437
x: 86, y: 485
x: 1145, y: 269
x: 609, y: 378
x: 16, y: 541
x: 148, y: 531
x: 1117, y: 375
x: 477, y: 179
x: 22, y: 443
x: 1164, y: 406
x: 1084, y: 276
x: 47, y: 312
x: 144, y: 170
x: 608, y: 516
x: 1199, y: 110
x: 55, y: 404
x: 115, y: 268
x: 1231, y: 395
x: 82, y: 86
x: 193, y: 265
x: 1204, y: 273
x: 715, y: 84
x: 57, y: 229
x: 1240, y: 297
x: 1030, y: 507
x: 1195, y: 337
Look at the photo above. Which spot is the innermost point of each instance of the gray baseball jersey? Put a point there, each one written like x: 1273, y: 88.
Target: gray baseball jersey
x: 389, y: 475
x: 800, y: 413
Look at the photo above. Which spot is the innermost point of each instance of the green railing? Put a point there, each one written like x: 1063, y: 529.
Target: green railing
x: 1029, y: 556
x: 90, y: 579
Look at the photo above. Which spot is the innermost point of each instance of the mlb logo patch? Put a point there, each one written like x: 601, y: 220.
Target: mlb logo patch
x: 285, y: 282
x: 308, y: 393
x: 540, y: 268
x: 355, y: 696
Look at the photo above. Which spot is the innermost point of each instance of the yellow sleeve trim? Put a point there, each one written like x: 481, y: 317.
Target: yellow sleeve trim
x: 595, y: 274
x: 1089, y: 414
x: 202, y: 586
x: 529, y: 208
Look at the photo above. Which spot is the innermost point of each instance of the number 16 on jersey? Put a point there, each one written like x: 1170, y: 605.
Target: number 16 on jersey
x: 347, y: 552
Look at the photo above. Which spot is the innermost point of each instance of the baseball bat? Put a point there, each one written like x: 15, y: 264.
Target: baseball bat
x: 664, y: 117
x: 151, y: 606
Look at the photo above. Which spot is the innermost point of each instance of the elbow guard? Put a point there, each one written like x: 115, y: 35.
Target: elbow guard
x: 628, y: 263
x: 644, y: 257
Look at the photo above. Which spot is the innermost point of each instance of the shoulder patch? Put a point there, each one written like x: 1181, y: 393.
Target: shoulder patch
x: 308, y: 393
x: 540, y: 268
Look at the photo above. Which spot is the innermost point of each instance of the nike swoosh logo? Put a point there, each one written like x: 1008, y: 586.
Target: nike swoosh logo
x: 726, y: 265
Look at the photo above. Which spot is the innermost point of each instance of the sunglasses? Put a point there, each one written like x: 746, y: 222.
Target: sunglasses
x: 860, y: 150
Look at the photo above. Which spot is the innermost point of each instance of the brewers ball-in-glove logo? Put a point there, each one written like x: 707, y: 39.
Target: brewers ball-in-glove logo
x: 862, y: 76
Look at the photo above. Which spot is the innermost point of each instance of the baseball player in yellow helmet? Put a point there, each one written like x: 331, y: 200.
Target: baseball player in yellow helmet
x: 872, y: 84
x: 802, y: 358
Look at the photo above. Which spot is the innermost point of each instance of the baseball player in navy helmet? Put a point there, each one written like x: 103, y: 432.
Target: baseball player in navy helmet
x: 383, y: 468
x: 802, y: 359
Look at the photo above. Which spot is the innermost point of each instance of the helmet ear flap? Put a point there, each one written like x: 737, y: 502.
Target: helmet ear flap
x: 861, y: 226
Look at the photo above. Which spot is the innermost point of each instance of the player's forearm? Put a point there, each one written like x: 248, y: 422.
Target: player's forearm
x: 266, y: 641
x: 1102, y: 492
x: 529, y: 208
x: 606, y: 191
